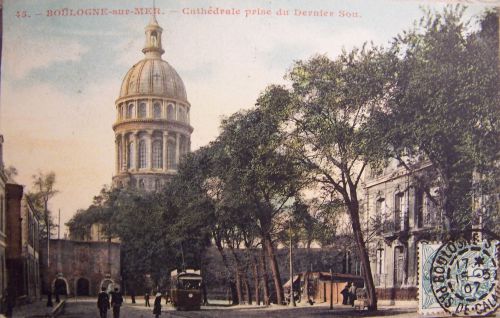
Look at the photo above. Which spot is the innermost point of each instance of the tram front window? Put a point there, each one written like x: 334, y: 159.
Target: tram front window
x: 189, y: 284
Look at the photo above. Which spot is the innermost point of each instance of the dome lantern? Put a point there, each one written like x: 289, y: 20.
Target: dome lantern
x: 152, y: 47
x: 152, y: 75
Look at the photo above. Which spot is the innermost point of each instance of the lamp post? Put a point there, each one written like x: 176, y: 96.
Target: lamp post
x: 292, y: 297
x: 331, y: 288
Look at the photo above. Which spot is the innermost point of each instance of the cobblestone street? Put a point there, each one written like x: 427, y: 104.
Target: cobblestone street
x: 83, y: 308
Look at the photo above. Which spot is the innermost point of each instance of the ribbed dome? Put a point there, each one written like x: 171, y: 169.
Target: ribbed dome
x: 153, y: 76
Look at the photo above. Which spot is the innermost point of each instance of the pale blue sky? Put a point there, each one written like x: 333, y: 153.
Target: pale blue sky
x: 61, y: 75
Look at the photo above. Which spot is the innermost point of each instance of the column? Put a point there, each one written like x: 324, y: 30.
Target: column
x: 124, y: 153
x: 150, y: 144
x: 136, y: 151
x: 117, y: 154
x: 164, y: 153
x: 149, y: 107
x: 177, y: 148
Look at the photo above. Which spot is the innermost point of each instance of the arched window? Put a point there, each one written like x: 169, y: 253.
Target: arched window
x: 183, y: 147
x: 157, y: 154
x: 142, y: 154
x: 130, y: 155
x: 399, y: 209
x: 424, y: 208
x: 170, y: 112
x: 130, y: 111
x: 154, y: 39
x: 171, y: 164
x: 380, y: 216
x: 380, y: 265
x: 142, y: 110
x: 182, y: 114
x: 157, y: 110
x: 399, y: 266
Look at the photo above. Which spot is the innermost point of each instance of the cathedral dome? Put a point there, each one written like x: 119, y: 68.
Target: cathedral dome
x: 152, y: 130
x: 153, y: 76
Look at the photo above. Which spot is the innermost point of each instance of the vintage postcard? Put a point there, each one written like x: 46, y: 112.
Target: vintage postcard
x: 112, y: 94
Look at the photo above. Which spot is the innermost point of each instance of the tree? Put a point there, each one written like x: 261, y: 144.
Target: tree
x: 329, y: 128
x: 42, y: 191
x: 443, y: 109
x: 151, y: 246
x: 11, y: 172
x: 258, y: 173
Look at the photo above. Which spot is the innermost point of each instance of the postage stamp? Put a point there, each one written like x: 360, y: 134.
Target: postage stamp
x: 427, y: 303
x: 458, y: 277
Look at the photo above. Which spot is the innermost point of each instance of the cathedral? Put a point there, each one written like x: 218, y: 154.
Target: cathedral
x: 152, y: 128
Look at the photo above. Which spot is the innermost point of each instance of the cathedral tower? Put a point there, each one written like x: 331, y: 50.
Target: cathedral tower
x: 152, y: 129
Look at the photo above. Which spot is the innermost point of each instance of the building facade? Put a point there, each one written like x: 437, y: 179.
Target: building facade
x: 3, y: 234
x: 23, y: 249
x: 401, y: 215
x: 80, y: 268
x: 152, y: 128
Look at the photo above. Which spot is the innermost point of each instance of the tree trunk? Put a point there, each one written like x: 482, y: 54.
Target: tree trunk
x: 255, y: 273
x: 238, y: 274
x: 238, y: 287
x: 264, y: 277
x: 241, y: 279
x: 274, y: 268
x: 362, y: 252
x: 228, y: 268
x: 247, y: 290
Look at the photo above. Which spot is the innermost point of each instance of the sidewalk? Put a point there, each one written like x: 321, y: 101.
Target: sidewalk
x: 35, y: 309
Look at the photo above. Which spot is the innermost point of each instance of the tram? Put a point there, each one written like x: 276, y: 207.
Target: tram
x: 185, y: 289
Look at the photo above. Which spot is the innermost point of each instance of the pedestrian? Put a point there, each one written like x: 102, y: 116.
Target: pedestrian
x: 49, y: 298
x: 203, y: 288
x: 167, y: 298
x: 157, y: 305
x: 57, y: 296
x: 7, y: 303
x: 132, y: 296
x: 345, y: 295
x: 146, y: 300
x: 352, y: 294
x: 116, y: 302
x: 103, y: 303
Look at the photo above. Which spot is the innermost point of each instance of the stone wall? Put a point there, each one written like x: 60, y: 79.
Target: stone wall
x: 80, y: 267
x: 314, y: 259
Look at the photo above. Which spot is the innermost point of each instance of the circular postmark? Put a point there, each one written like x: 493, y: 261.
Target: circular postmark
x: 464, y: 277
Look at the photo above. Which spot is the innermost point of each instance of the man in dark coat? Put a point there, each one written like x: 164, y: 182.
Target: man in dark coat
x: 8, y: 303
x: 132, y: 296
x: 345, y: 295
x: 146, y: 300
x: 116, y: 302
x: 157, y: 305
x: 103, y: 303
